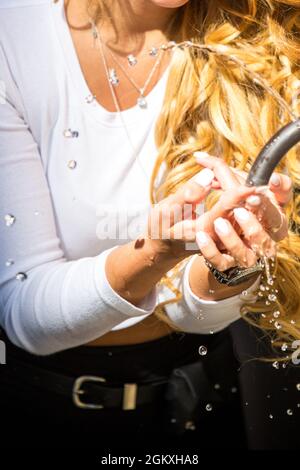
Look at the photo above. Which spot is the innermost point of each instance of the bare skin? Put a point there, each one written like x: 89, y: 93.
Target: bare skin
x: 141, y: 25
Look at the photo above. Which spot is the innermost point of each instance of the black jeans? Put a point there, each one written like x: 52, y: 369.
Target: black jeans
x: 33, y: 417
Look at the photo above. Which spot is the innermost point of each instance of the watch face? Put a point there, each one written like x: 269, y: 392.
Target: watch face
x: 232, y: 272
x: 242, y: 278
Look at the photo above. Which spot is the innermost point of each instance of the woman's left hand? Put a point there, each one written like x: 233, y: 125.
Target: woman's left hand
x: 267, y: 205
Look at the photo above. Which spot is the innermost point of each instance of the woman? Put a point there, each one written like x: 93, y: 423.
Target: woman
x: 95, y: 283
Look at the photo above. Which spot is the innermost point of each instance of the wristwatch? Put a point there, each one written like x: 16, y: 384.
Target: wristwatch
x: 236, y: 275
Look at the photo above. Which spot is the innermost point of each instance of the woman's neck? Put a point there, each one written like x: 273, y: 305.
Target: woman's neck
x: 135, y: 17
x: 126, y: 25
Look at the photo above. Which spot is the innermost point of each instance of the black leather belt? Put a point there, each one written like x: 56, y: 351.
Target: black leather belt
x: 87, y: 391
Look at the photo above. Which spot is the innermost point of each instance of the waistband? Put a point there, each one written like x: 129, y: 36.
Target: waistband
x: 141, y: 361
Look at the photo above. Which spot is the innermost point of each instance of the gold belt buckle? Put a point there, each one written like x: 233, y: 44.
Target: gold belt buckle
x: 129, y: 394
x: 77, y: 391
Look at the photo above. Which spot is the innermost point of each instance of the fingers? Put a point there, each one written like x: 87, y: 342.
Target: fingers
x: 194, y: 190
x: 281, y: 185
x: 227, y: 202
x: 210, y: 252
x: 269, y: 212
x: 254, y: 234
x: 182, y: 204
x: 234, y: 245
x: 222, y: 171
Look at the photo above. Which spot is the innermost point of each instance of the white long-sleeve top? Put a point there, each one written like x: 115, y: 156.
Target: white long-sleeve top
x: 71, y: 191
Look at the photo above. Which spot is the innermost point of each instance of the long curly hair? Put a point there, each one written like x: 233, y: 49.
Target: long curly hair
x: 213, y: 105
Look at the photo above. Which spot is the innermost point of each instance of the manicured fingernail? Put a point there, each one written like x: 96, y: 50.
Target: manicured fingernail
x: 199, y: 155
x: 202, y: 238
x: 241, y: 214
x: 254, y: 200
x: 275, y: 179
x: 221, y: 226
x: 204, y: 177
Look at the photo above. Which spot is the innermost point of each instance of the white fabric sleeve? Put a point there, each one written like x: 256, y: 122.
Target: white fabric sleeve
x: 195, y: 315
x: 55, y: 304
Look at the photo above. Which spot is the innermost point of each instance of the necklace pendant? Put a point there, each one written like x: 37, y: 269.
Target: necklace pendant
x: 95, y: 33
x: 113, y: 77
x: 153, y: 51
x: 132, y: 60
x: 141, y: 101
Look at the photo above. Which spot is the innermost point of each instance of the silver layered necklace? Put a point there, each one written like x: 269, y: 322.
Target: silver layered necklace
x: 141, y: 101
x: 111, y: 73
x: 113, y: 81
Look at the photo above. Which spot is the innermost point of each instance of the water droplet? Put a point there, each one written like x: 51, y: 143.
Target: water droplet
x: 72, y: 164
x: 89, y: 99
x: 275, y: 365
x: 271, y: 416
x: 200, y: 317
x: 211, y: 291
x: 245, y: 292
x: 211, y: 332
x: 267, y: 302
x: 277, y: 325
x: 69, y: 134
x: 268, y: 396
x: 284, y: 347
x: 246, y: 403
x: 9, y: 220
x: 298, y: 387
x: 208, y: 407
x: 190, y: 425
x: 262, y: 287
x: 289, y: 412
x: 202, y: 350
x: 276, y: 314
x: 284, y: 365
x: 270, y: 281
x: 264, y: 315
x: 9, y: 262
x: 293, y: 322
x: 173, y: 420
x: 218, y: 386
x: 234, y: 390
x: 272, y: 297
x: 21, y: 277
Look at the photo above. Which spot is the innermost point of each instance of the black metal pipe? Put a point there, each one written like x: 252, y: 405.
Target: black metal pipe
x: 272, y: 153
